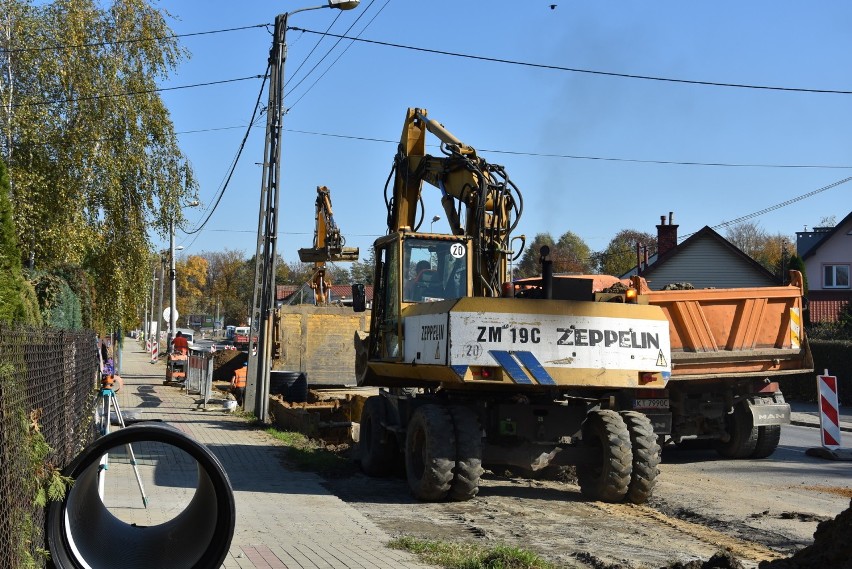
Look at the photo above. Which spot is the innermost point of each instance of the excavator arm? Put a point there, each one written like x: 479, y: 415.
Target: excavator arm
x: 478, y: 198
x: 328, y: 245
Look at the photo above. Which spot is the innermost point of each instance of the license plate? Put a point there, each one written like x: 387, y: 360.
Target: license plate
x: 650, y: 403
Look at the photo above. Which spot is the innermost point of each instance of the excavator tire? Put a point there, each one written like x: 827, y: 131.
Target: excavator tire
x: 743, y: 433
x: 377, y: 451
x: 465, y: 484
x: 609, y: 479
x: 768, y: 438
x: 646, y: 456
x: 430, y: 451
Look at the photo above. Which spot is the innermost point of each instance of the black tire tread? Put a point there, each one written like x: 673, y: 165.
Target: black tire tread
x: 606, y: 428
x: 768, y: 438
x: 438, y: 453
x: 646, y: 456
x: 468, y: 470
x: 743, y: 434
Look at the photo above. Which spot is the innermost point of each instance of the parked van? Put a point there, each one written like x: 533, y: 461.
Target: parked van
x: 187, y: 333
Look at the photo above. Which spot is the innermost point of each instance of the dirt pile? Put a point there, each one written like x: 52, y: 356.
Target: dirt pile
x: 832, y: 547
x: 722, y: 560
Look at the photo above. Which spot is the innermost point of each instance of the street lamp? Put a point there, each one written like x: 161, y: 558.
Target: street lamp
x: 263, y: 301
x: 434, y: 219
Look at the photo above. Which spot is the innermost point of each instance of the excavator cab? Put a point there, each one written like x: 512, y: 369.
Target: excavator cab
x: 413, y: 269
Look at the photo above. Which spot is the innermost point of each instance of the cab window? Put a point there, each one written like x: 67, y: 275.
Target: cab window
x: 434, y: 270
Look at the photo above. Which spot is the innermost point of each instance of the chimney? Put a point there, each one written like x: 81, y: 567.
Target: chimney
x: 666, y: 235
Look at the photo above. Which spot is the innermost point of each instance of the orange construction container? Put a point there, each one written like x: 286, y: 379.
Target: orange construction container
x: 734, y: 332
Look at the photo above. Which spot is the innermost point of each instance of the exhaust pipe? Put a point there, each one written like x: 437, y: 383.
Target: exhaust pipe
x: 83, y: 534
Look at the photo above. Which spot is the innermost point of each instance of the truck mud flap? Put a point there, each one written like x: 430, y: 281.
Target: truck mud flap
x: 769, y: 414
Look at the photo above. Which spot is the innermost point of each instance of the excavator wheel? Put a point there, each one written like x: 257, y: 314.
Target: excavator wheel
x: 430, y: 452
x: 465, y: 484
x: 646, y: 456
x: 607, y: 479
x: 378, y: 452
x: 743, y: 434
x: 768, y: 438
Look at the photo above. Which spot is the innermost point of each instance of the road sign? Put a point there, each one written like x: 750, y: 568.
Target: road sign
x: 167, y: 313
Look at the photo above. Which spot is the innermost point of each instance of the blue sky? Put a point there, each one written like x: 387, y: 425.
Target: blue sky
x: 361, y: 101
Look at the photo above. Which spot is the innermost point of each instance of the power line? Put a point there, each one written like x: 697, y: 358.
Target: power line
x: 782, y: 204
x: 327, y: 53
x: 772, y: 207
x: 236, y: 160
x: 587, y: 71
x: 313, y: 49
x: 132, y: 40
x: 600, y: 158
x: 132, y: 93
x: 327, y: 69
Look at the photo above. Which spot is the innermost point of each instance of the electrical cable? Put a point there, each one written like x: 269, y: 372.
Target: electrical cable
x: 586, y: 71
x: 327, y: 69
x: 133, y: 93
x: 133, y: 40
x: 224, y: 186
x: 779, y: 205
x: 327, y: 53
x: 313, y: 49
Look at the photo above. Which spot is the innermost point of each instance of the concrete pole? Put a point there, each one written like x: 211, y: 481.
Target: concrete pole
x: 144, y: 321
x: 160, y: 306
x: 172, y: 286
x: 153, y: 284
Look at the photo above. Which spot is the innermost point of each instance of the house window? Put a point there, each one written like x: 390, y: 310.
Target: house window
x: 835, y: 276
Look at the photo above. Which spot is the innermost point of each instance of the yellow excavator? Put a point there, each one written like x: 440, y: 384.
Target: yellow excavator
x: 329, y: 246
x: 472, y: 374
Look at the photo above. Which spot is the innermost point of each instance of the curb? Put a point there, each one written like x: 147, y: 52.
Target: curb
x: 816, y: 425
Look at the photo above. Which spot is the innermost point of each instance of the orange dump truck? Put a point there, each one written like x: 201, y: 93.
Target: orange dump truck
x: 728, y: 346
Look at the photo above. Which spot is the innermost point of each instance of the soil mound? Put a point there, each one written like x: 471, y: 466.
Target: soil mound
x: 832, y: 547
x: 722, y: 560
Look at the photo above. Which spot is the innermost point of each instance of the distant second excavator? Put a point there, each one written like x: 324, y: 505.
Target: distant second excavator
x: 329, y: 246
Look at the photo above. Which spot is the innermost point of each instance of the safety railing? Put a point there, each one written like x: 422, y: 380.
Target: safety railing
x: 199, y: 377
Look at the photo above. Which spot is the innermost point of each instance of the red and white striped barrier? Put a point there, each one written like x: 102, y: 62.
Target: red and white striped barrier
x: 829, y: 411
x: 829, y: 421
x: 155, y: 352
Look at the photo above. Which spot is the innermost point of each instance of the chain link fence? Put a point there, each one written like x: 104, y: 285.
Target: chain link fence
x: 48, y: 383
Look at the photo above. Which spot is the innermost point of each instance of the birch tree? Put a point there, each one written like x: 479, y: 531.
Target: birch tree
x: 92, y: 153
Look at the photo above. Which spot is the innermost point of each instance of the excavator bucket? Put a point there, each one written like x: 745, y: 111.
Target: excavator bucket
x: 325, y: 255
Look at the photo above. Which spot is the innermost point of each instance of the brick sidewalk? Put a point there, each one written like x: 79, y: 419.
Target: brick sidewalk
x: 285, y: 518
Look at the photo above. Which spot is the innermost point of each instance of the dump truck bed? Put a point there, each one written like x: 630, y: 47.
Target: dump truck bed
x: 736, y: 332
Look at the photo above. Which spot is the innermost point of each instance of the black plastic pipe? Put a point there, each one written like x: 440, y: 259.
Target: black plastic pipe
x: 83, y: 533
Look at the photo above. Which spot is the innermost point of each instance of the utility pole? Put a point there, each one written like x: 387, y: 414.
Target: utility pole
x: 172, y: 287
x: 264, y: 297
x: 160, y: 307
x: 153, y: 284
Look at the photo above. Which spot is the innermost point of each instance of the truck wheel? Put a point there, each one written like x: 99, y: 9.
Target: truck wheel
x: 646, y: 456
x: 743, y: 434
x: 768, y: 438
x: 608, y: 478
x: 430, y: 451
x: 377, y: 451
x: 465, y: 484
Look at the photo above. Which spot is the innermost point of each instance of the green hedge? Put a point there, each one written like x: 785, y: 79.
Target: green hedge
x: 833, y: 355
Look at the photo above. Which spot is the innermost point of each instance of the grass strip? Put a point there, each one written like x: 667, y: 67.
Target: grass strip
x: 465, y: 555
x: 308, y: 454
